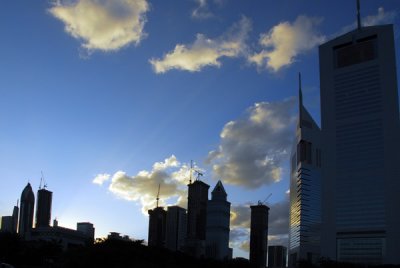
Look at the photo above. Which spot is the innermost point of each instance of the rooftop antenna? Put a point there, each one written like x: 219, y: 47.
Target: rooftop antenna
x: 158, y: 194
x: 44, y: 182
x: 358, y: 15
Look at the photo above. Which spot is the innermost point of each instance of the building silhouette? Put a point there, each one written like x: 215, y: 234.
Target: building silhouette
x: 176, y: 228
x: 277, y: 256
x: 86, y: 228
x: 197, y: 218
x: 360, y: 137
x: 43, y: 207
x: 10, y: 223
x: 305, y: 190
x: 218, y: 219
x: 157, y: 227
x: 258, y: 235
x: 26, y: 211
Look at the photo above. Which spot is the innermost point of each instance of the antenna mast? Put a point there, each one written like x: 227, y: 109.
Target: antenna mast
x: 358, y: 15
x: 191, y: 170
x: 158, y: 194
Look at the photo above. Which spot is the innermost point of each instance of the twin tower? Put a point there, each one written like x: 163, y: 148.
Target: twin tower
x: 202, y: 231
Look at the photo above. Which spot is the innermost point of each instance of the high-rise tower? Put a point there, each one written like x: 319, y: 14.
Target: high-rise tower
x: 43, y: 208
x: 305, y: 190
x: 259, y: 235
x: 218, y: 219
x: 197, y: 218
x: 176, y: 228
x: 26, y: 211
x: 360, y: 137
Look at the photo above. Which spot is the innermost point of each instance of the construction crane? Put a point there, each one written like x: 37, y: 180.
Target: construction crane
x: 265, y: 200
x: 158, y: 194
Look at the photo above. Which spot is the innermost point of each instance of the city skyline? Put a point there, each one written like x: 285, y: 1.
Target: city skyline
x: 101, y: 117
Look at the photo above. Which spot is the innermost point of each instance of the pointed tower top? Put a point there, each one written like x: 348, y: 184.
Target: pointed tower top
x: 300, y: 101
x: 219, y: 192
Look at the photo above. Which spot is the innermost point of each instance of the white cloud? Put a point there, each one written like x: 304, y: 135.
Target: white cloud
x: 101, y: 178
x: 103, y: 25
x: 285, y: 41
x: 202, y: 10
x: 171, y: 175
x: 205, y: 51
x: 253, y: 148
x: 381, y: 17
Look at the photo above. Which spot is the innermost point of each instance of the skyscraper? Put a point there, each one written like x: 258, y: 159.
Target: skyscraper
x: 157, y: 226
x: 259, y: 235
x: 197, y: 218
x: 43, y: 208
x: 88, y: 229
x: 15, y: 219
x: 176, y: 228
x: 360, y: 137
x: 218, y: 219
x: 305, y: 190
x: 26, y: 211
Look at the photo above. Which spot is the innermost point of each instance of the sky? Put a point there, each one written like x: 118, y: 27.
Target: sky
x: 110, y: 98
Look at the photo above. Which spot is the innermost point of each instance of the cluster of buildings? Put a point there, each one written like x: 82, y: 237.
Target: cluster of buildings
x: 203, y: 229
x: 22, y: 219
x: 345, y: 176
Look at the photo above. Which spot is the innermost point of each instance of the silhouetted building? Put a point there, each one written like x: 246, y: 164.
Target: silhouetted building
x: 67, y: 238
x: 259, y: 235
x: 43, y: 208
x: 7, y: 224
x: 360, y: 137
x: 218, y: 219
x: 157, y: 226
x: 15, y: 219
x: 197, y: 218
x: 86, y: 228
x: 305, y: 190
x: 10, y: 223
x: 26, y: 211
x: 277, y: 256
x: 176, y: 228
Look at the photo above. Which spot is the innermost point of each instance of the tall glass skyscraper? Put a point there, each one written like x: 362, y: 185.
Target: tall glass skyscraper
x: 360, y: 137
x: 305, y: 190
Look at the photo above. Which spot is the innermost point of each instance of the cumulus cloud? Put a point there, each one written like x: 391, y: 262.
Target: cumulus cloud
x: 285, y: 41
x: 381, y: 17
x: 101, y: 178
x: 103, y: 25
x: 253, y: 148
x: 205, y: 51
x: 172, y: 175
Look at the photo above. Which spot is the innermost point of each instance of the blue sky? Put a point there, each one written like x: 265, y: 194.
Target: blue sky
x: 110, y: 98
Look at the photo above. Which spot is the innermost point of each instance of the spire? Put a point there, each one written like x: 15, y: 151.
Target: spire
x: 219, y: 192
x: 358, y: 15
x: 300, y: 101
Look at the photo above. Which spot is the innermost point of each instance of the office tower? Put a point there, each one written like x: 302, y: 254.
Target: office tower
x: 86, y: 228
x: 277, y: 256
x: 176, y: 228
x: 360, y: 137
x: 197, y: 218
x: 157, y: 225
x: 26, y: 211
x: 43, y: 208
x: 218, y: 219
x: 7, y: 224
x: 15, y: 219
x: 305, y: 190
x: 258, y: 235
